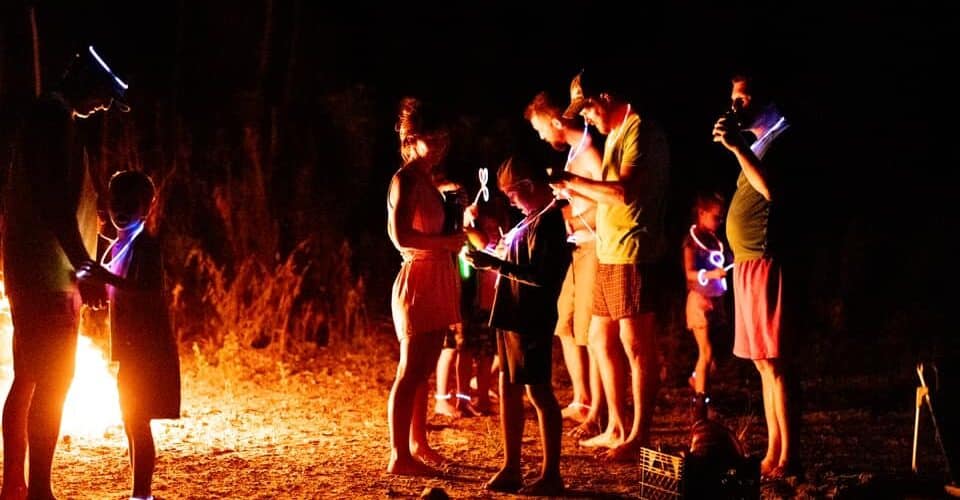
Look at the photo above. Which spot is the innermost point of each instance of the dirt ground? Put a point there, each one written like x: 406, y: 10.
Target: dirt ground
x: 317, y: 429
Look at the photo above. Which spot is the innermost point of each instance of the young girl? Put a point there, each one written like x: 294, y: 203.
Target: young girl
x: 704, y: 262
x: 141, y: 339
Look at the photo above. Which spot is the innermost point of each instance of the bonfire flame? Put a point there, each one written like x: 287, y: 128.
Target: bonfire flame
x: 92, y: 406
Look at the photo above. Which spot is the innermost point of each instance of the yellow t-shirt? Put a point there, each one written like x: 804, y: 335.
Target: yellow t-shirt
x: 633, y: 232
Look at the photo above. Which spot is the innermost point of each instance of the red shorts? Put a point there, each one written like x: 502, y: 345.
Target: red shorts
x: 757, y: 297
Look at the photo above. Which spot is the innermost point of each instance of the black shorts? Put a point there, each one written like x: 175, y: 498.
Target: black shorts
x: 525, y: 359
x: 45, y: 327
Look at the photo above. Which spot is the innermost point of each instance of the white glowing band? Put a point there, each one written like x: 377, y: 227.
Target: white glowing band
x: 484, y: 175
x: 107, y: 68
x: 714, y: 256
x: 465, y: 397
x: 118, y: 256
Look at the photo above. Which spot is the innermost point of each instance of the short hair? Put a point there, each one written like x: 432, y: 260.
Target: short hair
x: 543, y: 104
x: 132, y: 183
x: 705, y: 201
x: 760, y: 87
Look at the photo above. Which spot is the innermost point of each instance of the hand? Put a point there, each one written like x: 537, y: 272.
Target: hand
x: 715, y: 274
x: 93, y: 295
x: 476, y: 237
x: 481, y: 260
x: 558, y: 176
x: 91, y: 272
x: 470, y: 215
x: 727, y: 134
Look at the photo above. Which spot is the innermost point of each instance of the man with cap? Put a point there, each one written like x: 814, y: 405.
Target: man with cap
x: 630, y: 196
x: 51, y: 230
x: 524, y: 313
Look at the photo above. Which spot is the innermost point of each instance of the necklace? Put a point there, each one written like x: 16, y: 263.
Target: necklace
x: 124, y: 247
x: 575, y: 151
x: 714, y: 256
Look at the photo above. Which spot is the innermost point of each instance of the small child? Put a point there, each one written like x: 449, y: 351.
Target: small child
x: 141, y: 340
x: 525, y: 313
x: 705, y: 265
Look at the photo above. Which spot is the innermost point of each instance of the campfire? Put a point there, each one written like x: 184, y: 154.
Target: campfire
x: 92, y: 410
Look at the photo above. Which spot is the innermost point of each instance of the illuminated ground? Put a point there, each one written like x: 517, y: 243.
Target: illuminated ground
x: 317, y: 430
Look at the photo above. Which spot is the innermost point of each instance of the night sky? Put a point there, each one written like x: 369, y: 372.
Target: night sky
x: 869, y: 82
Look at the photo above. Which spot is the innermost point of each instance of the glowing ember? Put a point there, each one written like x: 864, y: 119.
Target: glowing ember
x: 92, y: 406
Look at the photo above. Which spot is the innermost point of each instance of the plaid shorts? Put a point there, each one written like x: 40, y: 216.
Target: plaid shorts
x: 618, y: 293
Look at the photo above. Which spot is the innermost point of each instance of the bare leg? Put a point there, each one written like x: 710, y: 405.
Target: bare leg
x: 15, y: 412
x: 551, y: 428
x: 577, y: 362
x: 417, y: 358
x: 704, y: 360
x: 483, y: 383
x: 593, y: 422
x: 509, y: 478
x: 464, y: 367
x: 772, y: 458
x: 780, y: 407
x: 603, y: 339
x: 444, y: 404
x: 142, y: 455
x: 43, y: 424
x: 637, y: 336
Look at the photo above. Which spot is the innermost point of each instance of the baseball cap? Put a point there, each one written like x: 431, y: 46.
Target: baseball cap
x: 577, y: 98
x: 590, y: 83
x: 90, y: 67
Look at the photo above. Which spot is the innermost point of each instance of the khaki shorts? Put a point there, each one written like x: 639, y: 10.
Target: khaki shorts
x: 575, y: 304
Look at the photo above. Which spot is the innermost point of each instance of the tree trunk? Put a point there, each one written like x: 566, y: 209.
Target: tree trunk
x: 35, y: 36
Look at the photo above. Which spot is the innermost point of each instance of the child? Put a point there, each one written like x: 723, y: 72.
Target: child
x: 525, y: 313
x: 141, y: 339
x: 704, y: 262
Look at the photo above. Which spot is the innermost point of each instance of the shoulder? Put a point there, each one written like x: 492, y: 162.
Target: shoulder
x: 147, y: 244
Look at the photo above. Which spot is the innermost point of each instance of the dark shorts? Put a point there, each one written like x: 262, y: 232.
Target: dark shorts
x: 150, y: 388
x: 625, y: 290
x: 45, y: 327
x: 525, y: 359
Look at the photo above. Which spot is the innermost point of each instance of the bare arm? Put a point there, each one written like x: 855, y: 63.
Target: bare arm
x: 619, y: 191
x: 752, y: 167
x: 400, y: 220
x: 56, y: 192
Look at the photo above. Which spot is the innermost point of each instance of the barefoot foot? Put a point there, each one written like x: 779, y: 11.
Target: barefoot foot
x: 506, y: 480
x: 548, y: 486
x: 411, y: 467
x: 605, y: 440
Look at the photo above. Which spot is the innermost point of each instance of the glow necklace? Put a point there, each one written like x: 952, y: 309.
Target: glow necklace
x: 124, y: 248
x: 714, y: 256
x: 574, y: 152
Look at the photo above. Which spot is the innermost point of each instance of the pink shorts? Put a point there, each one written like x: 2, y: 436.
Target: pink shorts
x: 757, y: 297
x: 704, y: 312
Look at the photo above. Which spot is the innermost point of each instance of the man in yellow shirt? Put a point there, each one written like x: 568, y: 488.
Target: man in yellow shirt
x: 631, y: 198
